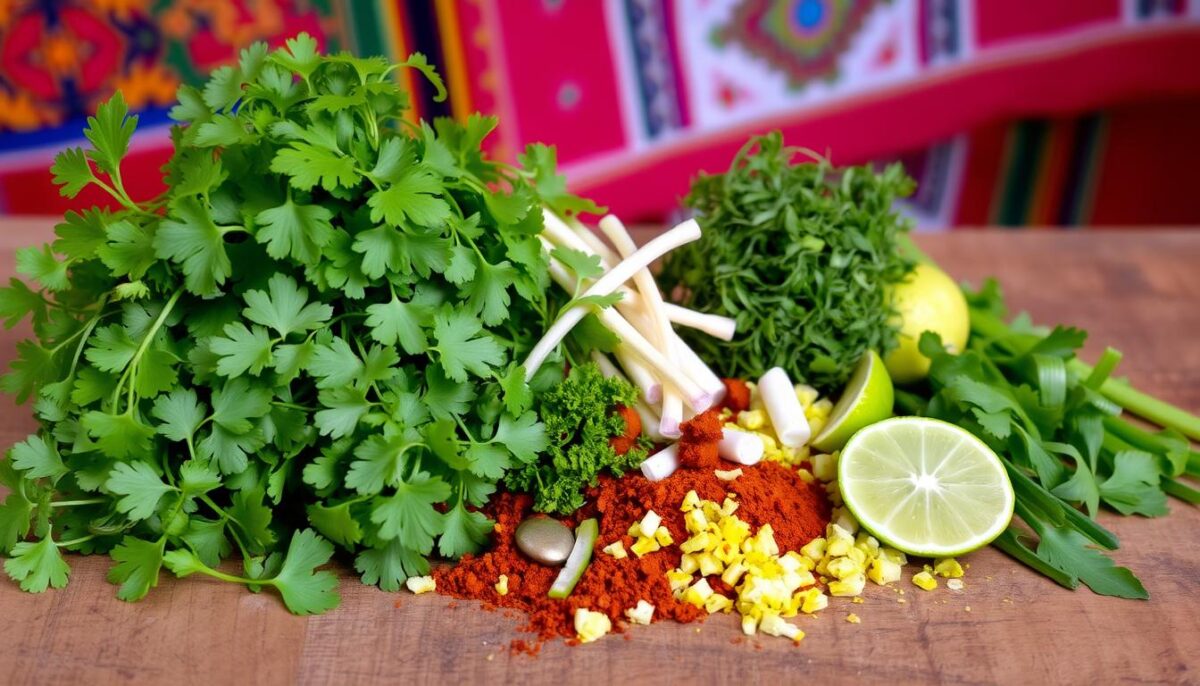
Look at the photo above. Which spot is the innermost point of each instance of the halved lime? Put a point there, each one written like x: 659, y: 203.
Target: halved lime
x: 867, y: 398
x: 925, y: 487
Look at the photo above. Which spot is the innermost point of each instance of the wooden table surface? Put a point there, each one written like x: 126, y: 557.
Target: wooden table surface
x: 1135, y: 291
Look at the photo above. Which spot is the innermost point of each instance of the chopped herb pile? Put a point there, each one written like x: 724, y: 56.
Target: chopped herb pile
x: 801, y: 255
x: 311, y: 336
x: 580, y: 424
x: 1021, y: 390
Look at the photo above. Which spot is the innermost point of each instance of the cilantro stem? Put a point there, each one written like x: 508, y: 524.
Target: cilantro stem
x: 74, y: 541
x: 91, y: 325
x: 137, y: 355
x: 77, y: 503
x: 1010, y: 543
x: 1181, y: 490
x: 1145, y: 406
x: 217, y: 574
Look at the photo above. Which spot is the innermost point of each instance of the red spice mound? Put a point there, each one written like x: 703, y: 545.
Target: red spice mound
x: 698, y: 443
x: 737, y: 395
x: 633, y: 428
x: 767, y: 493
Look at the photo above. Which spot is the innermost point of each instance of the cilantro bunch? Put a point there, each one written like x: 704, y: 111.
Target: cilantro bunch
x: 801, y: 255
x: 1022, y: 390
x: 310, y: 337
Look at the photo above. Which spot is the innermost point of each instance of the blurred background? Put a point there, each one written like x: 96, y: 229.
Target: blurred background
x: 1073, y: 113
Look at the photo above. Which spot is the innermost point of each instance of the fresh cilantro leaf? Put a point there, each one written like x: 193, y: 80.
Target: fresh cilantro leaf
x: 487, y: 294
x: 336, y: 523
x: 236, y: 403
x: 71, y: 171
x: 488, y: 460
x: 41, y: 265
x: 412, y: 197
x: 585, y: 265
x: 463, y: 346
x: 301, y: 56
x: 445, y: 397
x: 286, y: 308
x: 16, y: 515
x: 378, y: 463
x: 118, y: 436
x: 298, y: 231
x: 462, y: 265
x: 308, y: 165
x: 384, y: 249
x: 180, y: 412
x: 242, y: 350
x: 253, y: 518
x: 524, y: 437
x: 207, y: 538
x: 109, y: 132
x: 17, y: 301
x: 190, y: 238
x: 396, y: 322
x: 1068, y: 551
x: 139, y: 485
x: 130, y: 249
x: 541, y: 161
x: 306, y: 591
x: 37, y: 459
x: 335, y: 364
x: 111, y: 349
x: 1133, y: 487
x: 409, y: 514
x: 80, y: 234
x: 138, y: 562
x: 518, y: 396
x: 390, y: 564
x: 343, y: 408
x: 197, y: 477
x: 463, y: 532
x: 37, y: 566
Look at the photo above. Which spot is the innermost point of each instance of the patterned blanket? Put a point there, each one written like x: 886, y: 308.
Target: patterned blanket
x: 1007, y: 111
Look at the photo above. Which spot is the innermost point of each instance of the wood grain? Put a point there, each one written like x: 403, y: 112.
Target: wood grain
x: 1137, y: 292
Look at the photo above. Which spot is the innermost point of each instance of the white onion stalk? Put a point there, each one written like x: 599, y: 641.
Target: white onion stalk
x: 661, y: 464
x: 693, y: 395
x: 644, y: 412
x: 712, y: 324
x: 672, y: 415
x: 787, y: 415
x: 741, y: 447
x: 682, y: 234
x: 650, y: 387
x: 561, y: 235
x: 695, y: 368
x: 607, y: 256
x: 659, y: 330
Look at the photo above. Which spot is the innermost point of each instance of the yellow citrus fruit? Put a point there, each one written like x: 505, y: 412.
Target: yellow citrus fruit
x: 928, y: 300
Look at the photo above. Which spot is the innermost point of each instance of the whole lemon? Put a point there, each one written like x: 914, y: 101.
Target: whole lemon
x: 928, y: 300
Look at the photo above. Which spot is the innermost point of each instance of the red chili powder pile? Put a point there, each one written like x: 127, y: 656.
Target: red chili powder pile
x: 766, y: 492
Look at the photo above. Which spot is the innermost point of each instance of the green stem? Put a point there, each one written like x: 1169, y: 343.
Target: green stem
x: 1181, y: 490
x: 1011, y: 545
x: 146, y: 340
x: 1147, y: 407
x: 75, y: 541
x: 77, y: 503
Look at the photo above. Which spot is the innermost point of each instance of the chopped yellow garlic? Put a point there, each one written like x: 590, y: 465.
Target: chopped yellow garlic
x: 663, y: 536
x: 644, y: 546
x: 824, y: 467
x: 590, y: 626
x: 616, y: 549
x: 924, y: 580
x: 690, y: 501
x: 727, y: 474
x: 698, y: 593
x: 502, y: 585
x: 955, y: 584
x: 853, y: 618
x: 751, y: 419
x: 650, y: 523
x: 883, y: 571
x: 420, y: 584
x: 948, y: 568
x: 850, y: 586
x: 642, y: 613
x: 718, y: 603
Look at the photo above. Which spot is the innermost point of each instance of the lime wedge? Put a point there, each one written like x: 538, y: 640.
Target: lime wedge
x: 867, y: 399
x: 925, y: 487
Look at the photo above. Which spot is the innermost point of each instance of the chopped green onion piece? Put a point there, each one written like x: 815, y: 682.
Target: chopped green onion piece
x: 578, y: 560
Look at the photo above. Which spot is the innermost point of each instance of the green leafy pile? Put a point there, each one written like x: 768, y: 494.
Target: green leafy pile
x: 801, y: 255
x: 578, y: 414
x: 312, y: 334
x: 1022, y: 390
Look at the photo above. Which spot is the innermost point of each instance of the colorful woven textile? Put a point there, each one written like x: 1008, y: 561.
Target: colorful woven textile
x: 1007, y: 111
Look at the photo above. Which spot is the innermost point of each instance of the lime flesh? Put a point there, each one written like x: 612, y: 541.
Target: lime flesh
x: 867, y: 398
x: 925, y: 487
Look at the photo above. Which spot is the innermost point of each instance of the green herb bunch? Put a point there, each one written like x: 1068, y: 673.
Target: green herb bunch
x: 580, y: 422
x: 1022, y: 390
x: 802, y: 255
x: 311, y: 336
